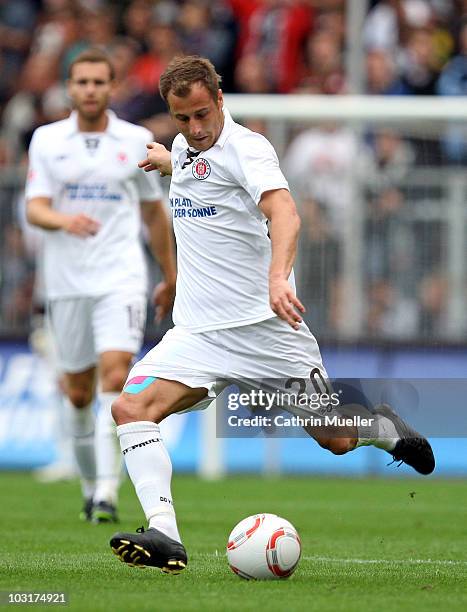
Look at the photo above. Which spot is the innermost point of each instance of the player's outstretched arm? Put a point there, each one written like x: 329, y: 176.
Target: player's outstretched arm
x: 158, y: 158
x: 162, y: 246
x: 40, y: 213
x: 284, y: 225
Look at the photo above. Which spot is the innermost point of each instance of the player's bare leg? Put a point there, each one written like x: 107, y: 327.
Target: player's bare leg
x: 113, y: 371
x: 386, y: 430
x: 79, y: 389
x: 145, y: 402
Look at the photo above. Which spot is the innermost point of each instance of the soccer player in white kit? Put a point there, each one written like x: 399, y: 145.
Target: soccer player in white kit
x: 84, y: 188
x: 236, y: 314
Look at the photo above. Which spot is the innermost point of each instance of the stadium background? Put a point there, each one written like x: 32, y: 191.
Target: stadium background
x: 386, y: 299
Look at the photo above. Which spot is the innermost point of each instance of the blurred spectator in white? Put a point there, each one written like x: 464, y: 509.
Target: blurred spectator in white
x: 453, y: 82
x: 323, y: 72
x: 382, y: 78
x: 323, y: 164
x: 388, y: 21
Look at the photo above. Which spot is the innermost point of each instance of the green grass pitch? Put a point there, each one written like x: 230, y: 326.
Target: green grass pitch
x: 367, y: 545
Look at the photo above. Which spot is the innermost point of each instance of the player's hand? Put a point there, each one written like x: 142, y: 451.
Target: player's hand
x: 163, y: 299
x: 284, y: 302
x: 81, y: 225
x: 158, y: 158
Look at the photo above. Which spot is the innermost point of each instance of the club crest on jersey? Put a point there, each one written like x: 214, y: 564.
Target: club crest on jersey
x: 201, y: 169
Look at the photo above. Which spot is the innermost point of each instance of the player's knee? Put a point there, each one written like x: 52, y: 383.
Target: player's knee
x: 114, y: 379
x: 337, y: 446
x: 127, y: 409
x: 80, y: 397
x: 123, y: 411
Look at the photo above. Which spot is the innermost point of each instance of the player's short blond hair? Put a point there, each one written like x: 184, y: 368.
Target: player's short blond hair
x: 183, y: 72
x: 93, y: 56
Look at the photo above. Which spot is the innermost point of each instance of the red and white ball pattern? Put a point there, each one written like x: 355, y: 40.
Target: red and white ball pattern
x: 263, y: 547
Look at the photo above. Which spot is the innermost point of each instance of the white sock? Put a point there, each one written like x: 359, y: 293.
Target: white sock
x: 109, y: 459
x: 381, y: 433
x: 150, y: 470
x: 63, y: 439
x: 82, y: 434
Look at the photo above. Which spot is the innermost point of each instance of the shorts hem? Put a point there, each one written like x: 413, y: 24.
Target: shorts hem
x: 77, y: 369
x: 184, y: 379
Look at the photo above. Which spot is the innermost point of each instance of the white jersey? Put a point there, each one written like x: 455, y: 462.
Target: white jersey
x: 95, y: 174
x: 223, y: 248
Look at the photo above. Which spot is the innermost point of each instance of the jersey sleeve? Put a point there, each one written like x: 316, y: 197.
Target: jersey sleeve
x: 149, y: 186
x: 148, y: 183
x: 253, y: 164
x: 39, y: 182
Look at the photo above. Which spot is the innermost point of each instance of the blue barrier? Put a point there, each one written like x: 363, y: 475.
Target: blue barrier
x: 28, y: 418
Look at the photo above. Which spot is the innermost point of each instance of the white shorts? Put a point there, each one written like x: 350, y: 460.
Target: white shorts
x: 270, y: 349
x: 85, y: 327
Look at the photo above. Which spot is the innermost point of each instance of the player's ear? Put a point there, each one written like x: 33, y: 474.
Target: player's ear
x: 220, y: 98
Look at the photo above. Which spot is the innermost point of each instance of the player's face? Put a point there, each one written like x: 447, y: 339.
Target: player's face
x: 198, y: 117
x: 89, y: 88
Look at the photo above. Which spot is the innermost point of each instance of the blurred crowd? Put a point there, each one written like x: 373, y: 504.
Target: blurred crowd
x: 412, y: 47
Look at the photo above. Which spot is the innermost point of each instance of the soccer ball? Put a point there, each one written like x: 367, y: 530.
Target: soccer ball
x: 263, y: 547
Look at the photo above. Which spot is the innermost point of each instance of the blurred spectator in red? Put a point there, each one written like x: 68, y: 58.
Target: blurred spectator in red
x: 382, y: 78
x: 324, y: 71
x: 163, y: 43
x: 243, y: 11
x: 129, y: 100
x: 276, y: 32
